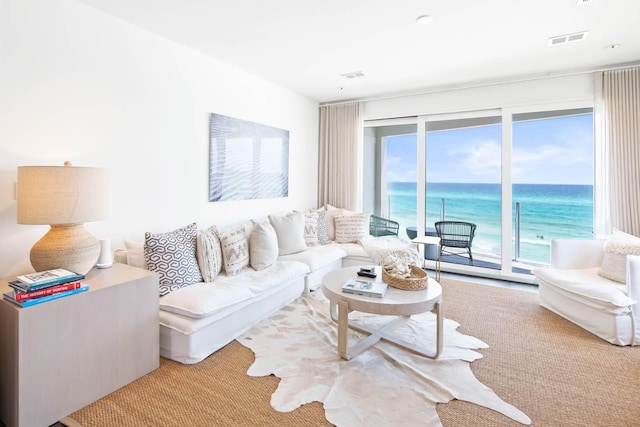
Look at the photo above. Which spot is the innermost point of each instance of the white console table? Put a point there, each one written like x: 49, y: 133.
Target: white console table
x: 59, y: 356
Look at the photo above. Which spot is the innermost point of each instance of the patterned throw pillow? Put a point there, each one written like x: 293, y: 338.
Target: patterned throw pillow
x: 173, y: 256
x: 311, y: 227
x: 323, y: 234
x: 235, y: 247
x: 351, y: 228
x: 209, y: 253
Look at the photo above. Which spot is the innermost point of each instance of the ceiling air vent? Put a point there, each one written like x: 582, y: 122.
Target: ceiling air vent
x: 553, y: 41
x: 353, y: 75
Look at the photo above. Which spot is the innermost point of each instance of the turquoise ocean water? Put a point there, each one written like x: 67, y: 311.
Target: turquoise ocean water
x: 546, y: 211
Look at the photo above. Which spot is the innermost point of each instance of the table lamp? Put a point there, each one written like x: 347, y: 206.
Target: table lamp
x: 64, y: 197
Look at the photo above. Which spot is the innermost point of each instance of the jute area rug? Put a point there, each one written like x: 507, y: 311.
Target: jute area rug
x: 550, y: 369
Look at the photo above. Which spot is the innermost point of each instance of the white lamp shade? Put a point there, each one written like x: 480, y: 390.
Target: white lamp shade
x: 61, y: 194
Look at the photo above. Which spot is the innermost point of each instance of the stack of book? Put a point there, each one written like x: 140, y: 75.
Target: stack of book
x: 36, y: 288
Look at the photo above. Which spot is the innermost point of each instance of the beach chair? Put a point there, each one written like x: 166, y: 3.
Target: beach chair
x: 457, y: 235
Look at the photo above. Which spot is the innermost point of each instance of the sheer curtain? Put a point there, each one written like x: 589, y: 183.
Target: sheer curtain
x: 339, y: 160
x: 617, y: 121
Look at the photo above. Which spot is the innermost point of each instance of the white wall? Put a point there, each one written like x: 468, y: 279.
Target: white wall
x: 557, y: 90
x: 79, y: 85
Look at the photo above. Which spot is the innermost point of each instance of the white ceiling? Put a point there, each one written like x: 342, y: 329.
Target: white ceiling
x: 307, y: 45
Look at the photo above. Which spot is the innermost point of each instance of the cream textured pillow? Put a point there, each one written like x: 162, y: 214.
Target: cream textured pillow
x: 135, y: 254
x: 173, y: 256
x: 290, y: 231
x: 209, y: 253
x: 351, y: 228
x: 311, y: 228
x: 263, y: 246
x: 616, y: 249
x: 331, y: 225
x: 235, y: 247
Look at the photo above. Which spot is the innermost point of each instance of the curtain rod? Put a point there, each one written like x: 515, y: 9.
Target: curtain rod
x: 483, y: 84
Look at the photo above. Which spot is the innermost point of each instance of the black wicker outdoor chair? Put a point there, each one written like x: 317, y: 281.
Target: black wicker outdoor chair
x: 456, y: 234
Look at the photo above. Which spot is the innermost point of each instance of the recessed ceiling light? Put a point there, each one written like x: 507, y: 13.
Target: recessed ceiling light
x: 612, y: 46
x: 424, y: 19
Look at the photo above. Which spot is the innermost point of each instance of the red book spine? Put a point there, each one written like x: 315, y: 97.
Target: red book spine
x: 23, y: 296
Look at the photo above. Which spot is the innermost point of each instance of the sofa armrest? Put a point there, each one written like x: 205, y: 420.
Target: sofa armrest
x: 633, y: 277
x: 576, y: 253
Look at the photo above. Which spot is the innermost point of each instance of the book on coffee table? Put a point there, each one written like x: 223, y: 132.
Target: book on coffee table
x: 365, y: 287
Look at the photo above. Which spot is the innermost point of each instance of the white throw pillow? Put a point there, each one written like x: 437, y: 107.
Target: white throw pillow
x: 263, y: 246
x: 290, y: 231
x: 135, y: 254
x: 616, y: 249
x: 173, y: 256
x: 351, y: 228
x: 234, y: 243
x: 209, y: 253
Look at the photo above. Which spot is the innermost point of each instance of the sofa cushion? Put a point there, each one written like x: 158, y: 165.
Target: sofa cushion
x: 173, y: 256
x: 263, y: 246
x: 351, y: 228
x: 317, y: 256
x: 209, y: 253
x: 234, y: 242
x: 203, y: 299
x: 616, y: 249
x: 290, y: 231
x: 586, y: 283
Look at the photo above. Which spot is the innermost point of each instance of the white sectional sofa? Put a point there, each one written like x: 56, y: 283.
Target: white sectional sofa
x: 596, y: 285
x: 236, y: 289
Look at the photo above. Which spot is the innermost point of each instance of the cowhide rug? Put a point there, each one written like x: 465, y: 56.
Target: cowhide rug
x: 383, y: 386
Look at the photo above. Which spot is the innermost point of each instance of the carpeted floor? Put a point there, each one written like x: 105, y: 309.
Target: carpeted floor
x: 555, y: 372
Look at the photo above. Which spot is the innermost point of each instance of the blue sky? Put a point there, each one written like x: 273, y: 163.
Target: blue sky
x: 550, y: 151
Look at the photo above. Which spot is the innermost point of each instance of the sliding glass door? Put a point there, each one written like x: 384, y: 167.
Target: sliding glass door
x: 552, y: 175
x: 522, y: 177
x: 463, y: 177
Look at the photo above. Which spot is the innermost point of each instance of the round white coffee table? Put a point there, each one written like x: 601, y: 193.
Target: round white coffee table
x: 396, y: 302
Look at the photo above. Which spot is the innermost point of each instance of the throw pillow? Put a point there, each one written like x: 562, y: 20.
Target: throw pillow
x: 311, y: 228
x: 323, y: 234
x: 135, y: 254
x: 209, y: 253
x: 331, y: 225
x: 616, y: 249
x: 173, y: 256
x: 351, y: 228
x: 263, y: 246
x: 235, y: 247
x: 290, y: 231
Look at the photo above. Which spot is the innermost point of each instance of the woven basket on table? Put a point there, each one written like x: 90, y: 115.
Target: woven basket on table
x: 416, y: 282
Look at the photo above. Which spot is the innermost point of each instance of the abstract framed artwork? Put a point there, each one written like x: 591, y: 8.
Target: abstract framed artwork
x: 247, y: 160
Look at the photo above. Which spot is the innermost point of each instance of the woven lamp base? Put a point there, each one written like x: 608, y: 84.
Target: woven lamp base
x: 68, y: 246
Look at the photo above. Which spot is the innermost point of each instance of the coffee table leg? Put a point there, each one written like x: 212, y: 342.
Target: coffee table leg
x: 340, y: 314
x: 343, y: 329
x: 439, y: 337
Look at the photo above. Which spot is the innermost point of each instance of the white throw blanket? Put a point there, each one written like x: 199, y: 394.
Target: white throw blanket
x: 379, y: 248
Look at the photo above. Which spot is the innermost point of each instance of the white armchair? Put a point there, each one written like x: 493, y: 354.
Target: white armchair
x: 572, y: 288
